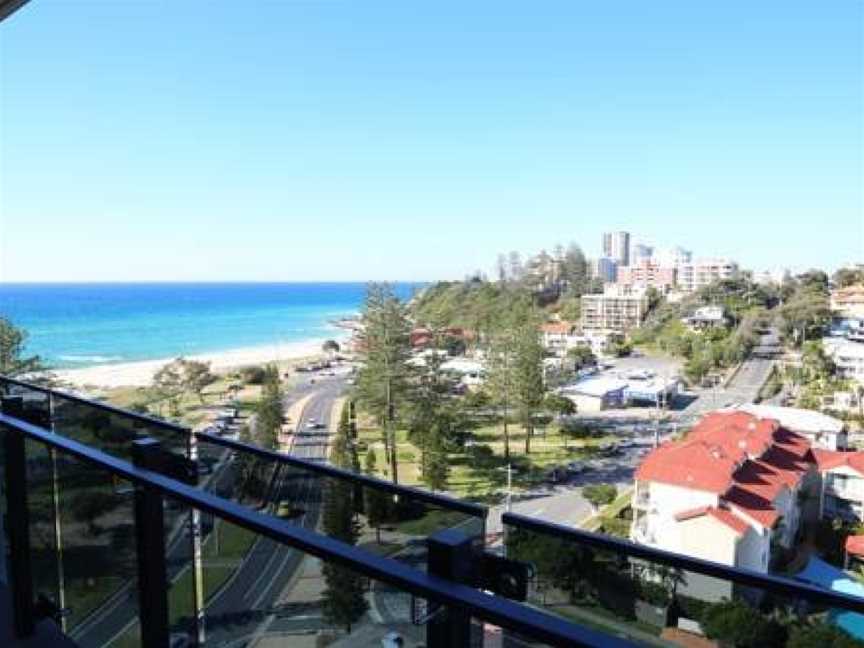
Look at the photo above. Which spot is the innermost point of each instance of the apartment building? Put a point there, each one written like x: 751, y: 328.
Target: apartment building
x: 736, y: 488
x: 618, y: 309
x: 616, y: 245
x: 698, y: 274
x: 647, y: 273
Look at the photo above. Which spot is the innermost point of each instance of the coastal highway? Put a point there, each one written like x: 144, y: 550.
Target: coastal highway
x: 247, y: 606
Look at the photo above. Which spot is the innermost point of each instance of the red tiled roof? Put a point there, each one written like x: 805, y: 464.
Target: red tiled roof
x: 828, y: 459
x: 722, y: 515
x: 752, y: 505
x: 746, y: 460
x: 737, y: 432
x: 691, y: 464
x: 855, y: 545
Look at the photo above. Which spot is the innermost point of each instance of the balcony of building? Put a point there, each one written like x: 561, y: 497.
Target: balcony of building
x: 115, y: 538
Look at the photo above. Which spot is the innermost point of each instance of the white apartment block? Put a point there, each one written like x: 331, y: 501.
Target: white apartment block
x: 616, y: 310
x: 698, y: 274
x: 733, y: 488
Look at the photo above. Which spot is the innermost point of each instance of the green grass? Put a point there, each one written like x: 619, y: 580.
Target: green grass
x: 234, y: 542
x: 181, y: 594
x: 180, y: 601
x: 83, y: 598
x: 482, y: 483
x: 432, y: 521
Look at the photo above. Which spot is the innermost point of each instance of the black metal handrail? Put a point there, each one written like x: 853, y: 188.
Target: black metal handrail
x: 518, y: 618
x: 327, y: 470
x: 105, y: 407
x: 767, y: 582
x: 437, y: 499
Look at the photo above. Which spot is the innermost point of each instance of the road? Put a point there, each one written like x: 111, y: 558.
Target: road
x: 745, y: 384
x: 247, y: 606
x: 564, y: 504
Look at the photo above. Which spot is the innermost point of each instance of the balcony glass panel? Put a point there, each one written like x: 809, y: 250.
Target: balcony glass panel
x: 96, y: 547
x: 653, y: 604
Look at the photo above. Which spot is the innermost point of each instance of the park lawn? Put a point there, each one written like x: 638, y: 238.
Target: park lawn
x: 433, y: 520
x: 180, y: 601
x: 234, y: 542
x: 549, y: 448
x: 180, y: 596
x: 82, y: 598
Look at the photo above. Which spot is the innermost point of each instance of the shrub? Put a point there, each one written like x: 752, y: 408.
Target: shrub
x: 821, y: 635
x: 615, y: 527
x: 600, y: 494
x: 738, y: 624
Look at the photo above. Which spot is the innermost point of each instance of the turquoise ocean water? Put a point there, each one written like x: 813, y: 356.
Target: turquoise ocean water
x: 80, y: 325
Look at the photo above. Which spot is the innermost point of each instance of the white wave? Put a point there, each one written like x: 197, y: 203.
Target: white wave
x: 89, y: 358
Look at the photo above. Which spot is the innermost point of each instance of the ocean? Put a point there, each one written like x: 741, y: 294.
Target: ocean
x: 83, y: 325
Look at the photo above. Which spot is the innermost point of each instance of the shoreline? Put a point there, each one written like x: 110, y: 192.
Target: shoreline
x: 139, y: 373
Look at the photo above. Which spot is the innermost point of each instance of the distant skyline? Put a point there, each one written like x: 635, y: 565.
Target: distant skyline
x: 304, y: 141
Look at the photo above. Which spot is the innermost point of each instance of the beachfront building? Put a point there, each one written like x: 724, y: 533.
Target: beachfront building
x: 596, y: 393
x: 848, y: 357
x: 647, y: 274
x: 698, y: 274
x: 848, y: 301
x: 619, y: 309
x: 734, y: 491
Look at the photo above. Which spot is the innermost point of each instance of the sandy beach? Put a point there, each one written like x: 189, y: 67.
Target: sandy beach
x: 139, y: 374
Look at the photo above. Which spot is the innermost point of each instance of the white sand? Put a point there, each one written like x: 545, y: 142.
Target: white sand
x: 140, y: 374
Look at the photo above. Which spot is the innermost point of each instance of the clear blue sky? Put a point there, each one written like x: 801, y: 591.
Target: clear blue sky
x: 404, y: 140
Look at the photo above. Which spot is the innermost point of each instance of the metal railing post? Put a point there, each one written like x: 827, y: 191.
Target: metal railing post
x: 451, y: 557
x: 150, y: 537
x: 18, y: 522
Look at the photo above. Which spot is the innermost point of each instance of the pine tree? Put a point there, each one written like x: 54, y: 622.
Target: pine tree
x: 383, y: 382
x: 344, y: 599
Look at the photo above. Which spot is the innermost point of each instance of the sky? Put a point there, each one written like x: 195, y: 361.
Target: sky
x: 301, y: 141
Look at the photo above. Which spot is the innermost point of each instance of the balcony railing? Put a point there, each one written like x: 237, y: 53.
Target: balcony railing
x: 646, y: 594
x: 124, y: 548
x: 107, y: 544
